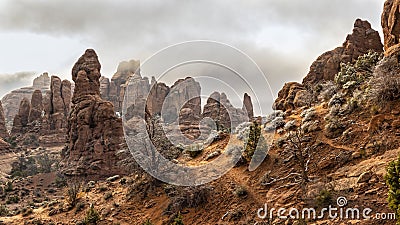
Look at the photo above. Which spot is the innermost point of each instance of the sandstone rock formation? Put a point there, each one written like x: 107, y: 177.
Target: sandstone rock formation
x: 11, y: 101
x: 59, y: 103
x: 287, y: 96
x: 248, y: 106
x: 113, y: 90
x: 3, y: 129
x: 36, y: 111
x: 391, y: 26
x: 362, y: 40
x: 94, y: 132
x: 220, y: 110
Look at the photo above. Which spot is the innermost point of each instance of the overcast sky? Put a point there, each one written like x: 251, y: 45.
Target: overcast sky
x: 283, y: 36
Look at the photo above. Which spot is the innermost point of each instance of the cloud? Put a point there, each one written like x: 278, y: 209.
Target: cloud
x: 283, y: 36
x: 9, y: 82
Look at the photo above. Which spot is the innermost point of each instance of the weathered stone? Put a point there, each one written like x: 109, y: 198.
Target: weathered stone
x: 391, y: 26
x: 22, y: 118
x: 3, y: 129
x: 362, y: 40
x: 11, y: 101
x: 94, y: 132
x: 36, y: 111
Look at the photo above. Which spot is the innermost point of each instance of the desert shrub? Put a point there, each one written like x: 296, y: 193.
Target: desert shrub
x: 45, y: 163
x: 328, y: 89
x: 12, y: 141
x: 60, y: 181
x: 334, y: 127
x: 308, y: 114
x: 9, y: 186
x: 384, y: 89
x: 310, y: 126
x: 31, y: 140
x: 290, y: 125
x: 337, y: 99
x: 273, y: 115
x: 12, y: 199
x: 189, y: 197
x: 92, y: 216
x: 32, y: 165
x: 392, y: 178
x: 23, y: 167
x: 3, y: 210
x: 72, y: 193
x: 194, y: 150
x: 79, y: 206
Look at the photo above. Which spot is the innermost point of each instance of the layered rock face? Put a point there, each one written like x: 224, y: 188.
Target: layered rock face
x: 156, y: 97
x: 114, y: 90
x: 59, y: 103
x: 45, y: 116
x: 22, y: 118
x: 221, y: 111
x: 11, y: 101
x: 248, y: 106
x: 287, y: 95
x: 391, y: 27
x: 362, y: 40
x: 94, y: 132
x: 3, y: 129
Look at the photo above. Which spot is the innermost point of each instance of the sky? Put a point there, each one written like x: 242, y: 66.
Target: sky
x: 282, y: 36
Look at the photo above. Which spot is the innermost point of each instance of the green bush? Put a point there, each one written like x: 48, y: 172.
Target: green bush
x: 254, y: 142
x: 3, y: 210
x: 352, y: 75
x: 72, y: 193
x: 392, y: 178
x: 324, y: 198
x: 92, y: 216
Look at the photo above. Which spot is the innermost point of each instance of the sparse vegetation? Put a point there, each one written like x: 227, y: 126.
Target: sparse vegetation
x: 3, y: 210
x: 92, y: 216
x: 178, y: 220
x: 190, y: 197
x: 240, y: 191
x: 254, y: 141
x: 147, y: 222
x: 392, y: 178
x: 108, y: 195
x: 72, y: 193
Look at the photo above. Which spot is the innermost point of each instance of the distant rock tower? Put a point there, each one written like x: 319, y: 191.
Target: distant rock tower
x: 94, y: 132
